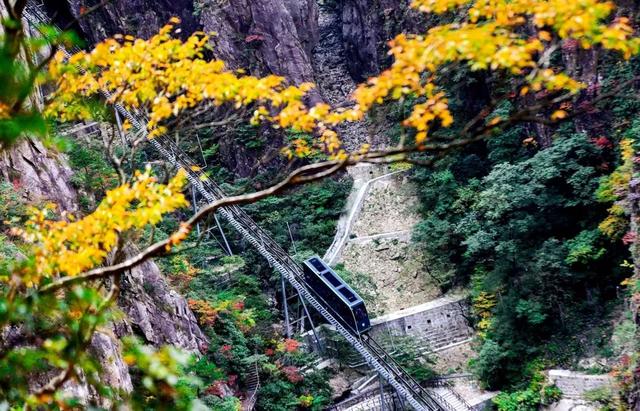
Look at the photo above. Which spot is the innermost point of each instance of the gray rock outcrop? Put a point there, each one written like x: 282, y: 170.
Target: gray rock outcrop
x: 155, y: 312
x: 265, y: 36
x: 367, y: 26
x: 141, y: 18
x: 39, y: 173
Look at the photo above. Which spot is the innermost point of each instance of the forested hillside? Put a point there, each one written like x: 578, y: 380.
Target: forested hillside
x: 468, y: 168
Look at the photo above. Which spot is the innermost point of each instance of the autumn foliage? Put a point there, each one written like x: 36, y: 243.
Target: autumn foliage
x: 167, y: 76
x: 68, y: 247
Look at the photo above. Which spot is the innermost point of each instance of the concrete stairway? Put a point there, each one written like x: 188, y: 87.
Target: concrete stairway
x: 438, y: 339
x: 451, y: 398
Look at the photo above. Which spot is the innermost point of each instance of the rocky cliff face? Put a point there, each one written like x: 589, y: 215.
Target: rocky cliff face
x: 39, y: 173
x: 265, y: 36
x: 141, y: 18
x: 367, y: 26
x: 154, y: 311
x: 362, y: 27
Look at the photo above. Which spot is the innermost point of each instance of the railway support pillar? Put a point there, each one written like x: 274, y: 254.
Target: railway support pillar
x: 381, y: 382
x: 224, y: 237
x: 285, y: 305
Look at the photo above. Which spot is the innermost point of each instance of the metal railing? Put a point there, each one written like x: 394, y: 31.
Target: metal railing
x: 373, y: 400
x: 418, y: 397
x: 448, y: 379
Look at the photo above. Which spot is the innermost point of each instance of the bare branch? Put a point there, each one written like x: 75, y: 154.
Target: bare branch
x: 301, y: 175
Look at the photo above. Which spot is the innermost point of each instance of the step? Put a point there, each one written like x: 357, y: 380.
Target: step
x: 447, y: 394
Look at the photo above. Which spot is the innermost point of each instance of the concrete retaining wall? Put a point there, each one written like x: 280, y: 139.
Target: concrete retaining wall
x: 439, y: 322
x: 574, y: 384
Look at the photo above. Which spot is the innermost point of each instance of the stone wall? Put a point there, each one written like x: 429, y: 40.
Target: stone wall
x: 574, y: 384
x: 440, y: 322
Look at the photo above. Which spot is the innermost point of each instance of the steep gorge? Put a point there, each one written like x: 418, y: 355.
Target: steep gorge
x: 334, y: 44
x: 152, y: 309
x: 326, y: 44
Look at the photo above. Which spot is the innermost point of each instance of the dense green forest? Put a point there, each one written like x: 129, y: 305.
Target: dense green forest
x: 535, y: 231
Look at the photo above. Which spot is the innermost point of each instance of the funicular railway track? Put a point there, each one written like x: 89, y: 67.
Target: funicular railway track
x: 418, y: 397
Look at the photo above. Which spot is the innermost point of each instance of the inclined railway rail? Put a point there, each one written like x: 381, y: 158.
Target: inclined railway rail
x: 418, y: 397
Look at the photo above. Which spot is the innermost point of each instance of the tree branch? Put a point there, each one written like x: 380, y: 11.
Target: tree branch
x: 301, y: 175
x: 317, y: 171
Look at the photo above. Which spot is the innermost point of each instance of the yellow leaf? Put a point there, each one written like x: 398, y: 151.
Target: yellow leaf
x: 558, y: 114
x: 494, y: 121
x: 627, y: 281
x: 544, y: 35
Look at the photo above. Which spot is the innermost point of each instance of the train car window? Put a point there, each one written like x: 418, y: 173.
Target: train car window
x: 348, y: 294
x: 332, y: 279
x: 317, y: 264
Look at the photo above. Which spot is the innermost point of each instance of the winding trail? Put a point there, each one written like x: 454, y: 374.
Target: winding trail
x: 346, y: 221
x: 373, y: 241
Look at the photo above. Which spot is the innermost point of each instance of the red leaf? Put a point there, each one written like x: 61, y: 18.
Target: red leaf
x: 253, y: 37
x: 629, y: 238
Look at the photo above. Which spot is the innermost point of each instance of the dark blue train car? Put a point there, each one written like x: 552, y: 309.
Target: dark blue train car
x: 341, y: 299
